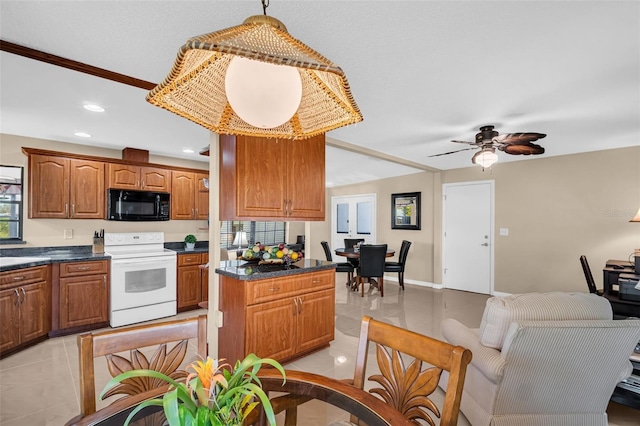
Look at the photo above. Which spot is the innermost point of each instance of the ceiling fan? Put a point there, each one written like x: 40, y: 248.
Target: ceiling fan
x: 487, y: 140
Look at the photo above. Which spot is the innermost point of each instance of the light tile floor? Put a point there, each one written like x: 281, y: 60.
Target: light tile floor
x: 39, y: 386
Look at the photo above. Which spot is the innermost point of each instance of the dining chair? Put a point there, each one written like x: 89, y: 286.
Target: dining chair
x: 371, y: 265
x: 342, y: 266
x: 408, y: 389
x: 399, y: 265
x: 591, y: 284
x: 351, y: 242
x: 112, y: 342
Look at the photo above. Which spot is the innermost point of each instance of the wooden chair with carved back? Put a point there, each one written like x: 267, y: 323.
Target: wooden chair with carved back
x: 110, y: 343
x: 408, y: 389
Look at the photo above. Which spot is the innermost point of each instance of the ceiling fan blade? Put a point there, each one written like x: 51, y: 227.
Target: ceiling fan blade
x: 518, y: 138
x: 451, y: 152
x: 525, y: 149
x: 468, y: 143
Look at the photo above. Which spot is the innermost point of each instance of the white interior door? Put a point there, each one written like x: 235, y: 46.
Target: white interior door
x: 468, y: 236
x: 352, y: 217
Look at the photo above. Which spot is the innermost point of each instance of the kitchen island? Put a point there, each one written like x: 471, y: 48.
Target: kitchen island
x: 275, y: 311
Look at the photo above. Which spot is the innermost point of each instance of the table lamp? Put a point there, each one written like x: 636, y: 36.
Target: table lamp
x: 239, y: 241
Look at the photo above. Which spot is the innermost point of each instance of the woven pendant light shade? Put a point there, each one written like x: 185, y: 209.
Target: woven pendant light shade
x: 195, y: 87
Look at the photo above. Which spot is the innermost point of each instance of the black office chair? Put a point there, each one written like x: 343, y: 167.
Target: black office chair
x: 399, y: 265
x: 372, y: 258
x: 589, y: 277
x: 342, y: 266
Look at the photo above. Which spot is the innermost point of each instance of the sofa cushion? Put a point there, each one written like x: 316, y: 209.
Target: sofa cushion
x: 500, y: 312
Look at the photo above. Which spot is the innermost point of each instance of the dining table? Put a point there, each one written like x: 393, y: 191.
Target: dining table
x: 317, y: 400
x: 353, y: 254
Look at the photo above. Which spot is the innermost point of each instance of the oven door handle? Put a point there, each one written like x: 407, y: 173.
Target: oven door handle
x: 142, y: 260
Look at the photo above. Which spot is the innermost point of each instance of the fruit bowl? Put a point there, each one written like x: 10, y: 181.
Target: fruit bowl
x: 275, y: 254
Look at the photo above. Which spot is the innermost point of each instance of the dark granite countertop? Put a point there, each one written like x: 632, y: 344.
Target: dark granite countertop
x: 47, y: 255
x: 201, y: 247
x: 243, y: 270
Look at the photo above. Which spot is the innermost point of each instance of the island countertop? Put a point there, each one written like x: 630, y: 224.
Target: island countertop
x: 243, y: 270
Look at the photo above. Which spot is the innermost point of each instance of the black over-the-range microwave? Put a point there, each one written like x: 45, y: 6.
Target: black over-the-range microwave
x: 137, y: 205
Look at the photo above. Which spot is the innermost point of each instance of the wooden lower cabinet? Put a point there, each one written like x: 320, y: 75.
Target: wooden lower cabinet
x: 83, y: 294
x: 193, y: 280
x: 25, y: 307
x: 279, y: 318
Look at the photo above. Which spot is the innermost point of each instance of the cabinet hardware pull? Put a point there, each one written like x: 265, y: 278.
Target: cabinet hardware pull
x: 104, y: 281
x: 300, y: 311
x: 274, y: 289
x: 284, y: 207
x: 295, y: 306
x: 19, y: 278
x: 84, y: 268
x: 73, y: 210
x: 66, y: 209
x: 192, y: 211
x: 137, y: 183
x: 290, y: 207
x: 17, y: 302
x: 143, y: 184
x: 24, y: 295
x: 316, y: 281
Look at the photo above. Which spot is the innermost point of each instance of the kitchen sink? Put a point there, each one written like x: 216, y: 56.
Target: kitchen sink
x: 11, y: 261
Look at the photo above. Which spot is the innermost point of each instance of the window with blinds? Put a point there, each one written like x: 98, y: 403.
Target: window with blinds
x: 268, y: 233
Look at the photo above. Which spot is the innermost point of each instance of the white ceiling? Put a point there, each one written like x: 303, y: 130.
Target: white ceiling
x: 422, y: 73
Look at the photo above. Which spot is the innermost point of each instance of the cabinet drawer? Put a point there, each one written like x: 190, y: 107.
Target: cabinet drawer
x: 278, y: 288
x: 23, y: 276
x: 73, y: 269
x: 189, y: 259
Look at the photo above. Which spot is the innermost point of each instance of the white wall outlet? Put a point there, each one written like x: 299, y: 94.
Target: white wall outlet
x: 219, y: 317
x: 504, y: 232
x: 68, y: 234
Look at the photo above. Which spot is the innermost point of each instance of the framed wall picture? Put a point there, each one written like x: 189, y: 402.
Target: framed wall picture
x: 405, y: 211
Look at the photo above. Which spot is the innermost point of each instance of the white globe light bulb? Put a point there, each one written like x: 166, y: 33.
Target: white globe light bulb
x: 262, y: 94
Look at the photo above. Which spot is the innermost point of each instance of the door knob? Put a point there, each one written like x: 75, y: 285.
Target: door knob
x: 485, y: 244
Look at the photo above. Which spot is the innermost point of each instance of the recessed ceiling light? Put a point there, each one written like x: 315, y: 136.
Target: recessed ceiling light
x: 82, y: 134
x: 93, y: 108
x: 187, y: 151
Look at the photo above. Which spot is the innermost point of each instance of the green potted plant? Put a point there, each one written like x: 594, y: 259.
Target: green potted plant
x: 213, y: 394
x: 190, y: 241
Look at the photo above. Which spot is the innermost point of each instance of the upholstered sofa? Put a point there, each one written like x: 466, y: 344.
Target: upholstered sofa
x: 543, y: 359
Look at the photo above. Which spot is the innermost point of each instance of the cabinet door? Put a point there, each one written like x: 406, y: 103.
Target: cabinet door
x: 122, y: 176
x: 305, y: 182
x: 202, y: 197
x: 83, y: 301
x: 152, y: 179
x: 316, y: 313
x: 49, y: 187
x: 34, y: 312
x: 261, y: 171
x: 9, y: 319
x: 188, y: 286
x: 271, y: 329
x: 183, y: 186
x: 87, y: 194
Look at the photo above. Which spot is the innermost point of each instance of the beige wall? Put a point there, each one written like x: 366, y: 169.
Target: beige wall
x: 49, y: 232
x: 556, y: 209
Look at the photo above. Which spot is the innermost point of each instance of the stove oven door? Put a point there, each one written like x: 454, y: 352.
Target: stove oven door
x: 138, y: 282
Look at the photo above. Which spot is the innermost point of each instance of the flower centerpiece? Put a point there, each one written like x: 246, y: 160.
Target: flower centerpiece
x: 280, y: 253
x: 213, y: 394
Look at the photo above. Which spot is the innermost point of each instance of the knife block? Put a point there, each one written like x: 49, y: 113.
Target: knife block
x: 98, y: 245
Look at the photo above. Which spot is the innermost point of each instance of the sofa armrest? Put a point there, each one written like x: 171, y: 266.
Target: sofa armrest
x: 487, y: 360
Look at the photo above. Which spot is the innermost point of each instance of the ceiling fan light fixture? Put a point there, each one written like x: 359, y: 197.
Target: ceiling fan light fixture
x: 197, y: 86
x: 485, y: 157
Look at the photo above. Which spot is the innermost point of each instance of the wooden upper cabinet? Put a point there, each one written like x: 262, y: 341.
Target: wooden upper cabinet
x: 272, y: 178
x: 202, y: 196
x: 154, y: 179
x: 48, y: 187
x: 87, y: 189
x: 124, y: 176
x: 189, y: 196
x: 65, y: 188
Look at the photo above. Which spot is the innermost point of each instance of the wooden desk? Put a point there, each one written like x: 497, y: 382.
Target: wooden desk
x: 327, y: 391
x: 611, y: 273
